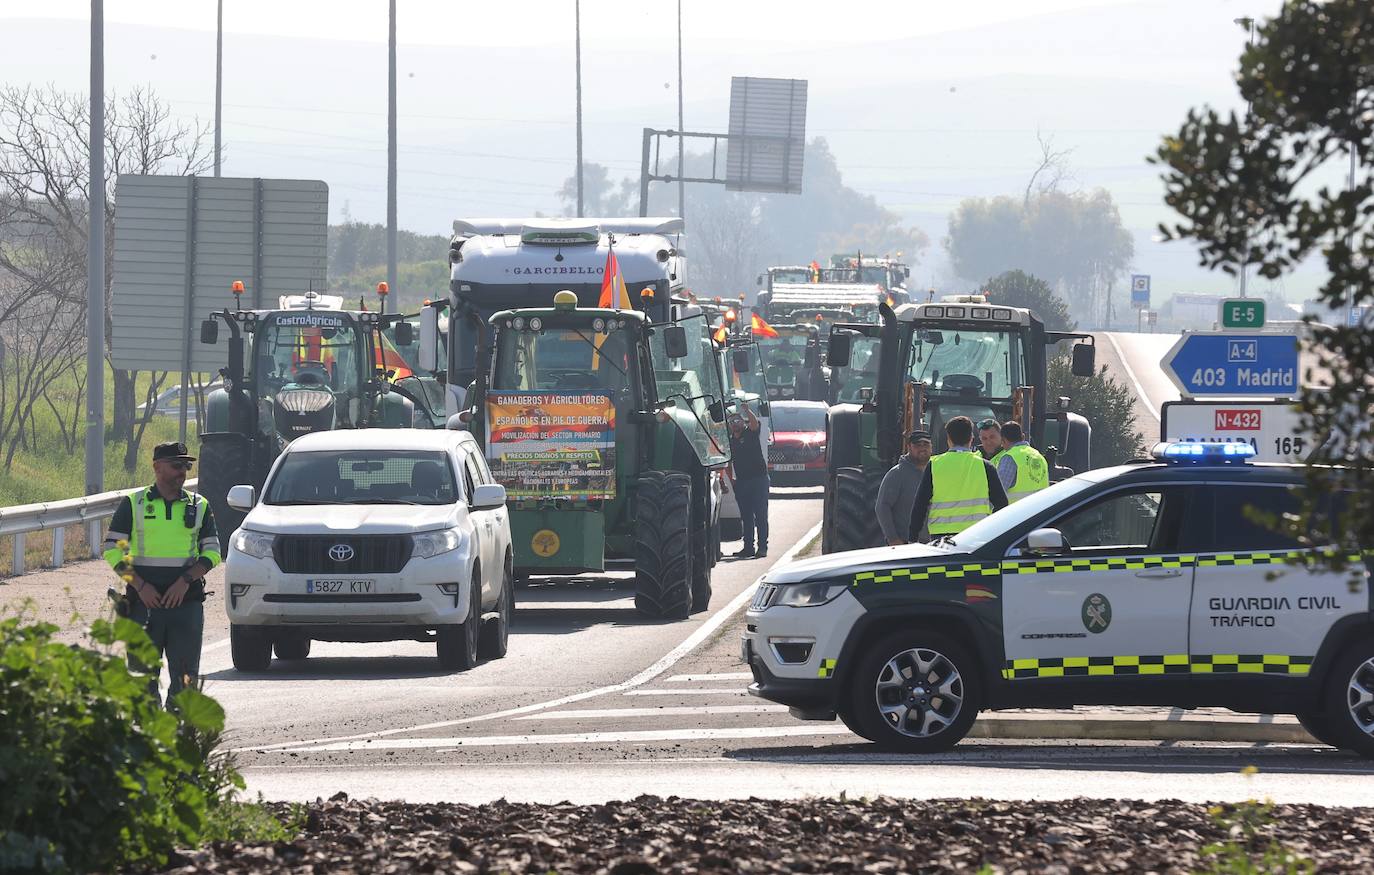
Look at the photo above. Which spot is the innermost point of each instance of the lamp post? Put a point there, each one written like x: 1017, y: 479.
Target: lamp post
x: 219, y: 76
x: 95, y: 264
x: 577, y: 38
x: 1248, y: 23
x: 391, y: 149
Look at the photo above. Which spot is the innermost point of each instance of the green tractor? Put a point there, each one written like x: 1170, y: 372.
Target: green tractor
x: 919, y: 367
x: 607, y: 431
x: 297, y: 370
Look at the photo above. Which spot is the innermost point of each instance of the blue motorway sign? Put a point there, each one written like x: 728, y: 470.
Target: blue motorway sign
x: 1234, y: 364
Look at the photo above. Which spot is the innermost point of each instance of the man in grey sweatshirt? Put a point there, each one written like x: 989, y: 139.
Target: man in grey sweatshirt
x: 897, y: 494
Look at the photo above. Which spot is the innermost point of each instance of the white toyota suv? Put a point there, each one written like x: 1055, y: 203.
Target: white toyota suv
x: 372, y: 535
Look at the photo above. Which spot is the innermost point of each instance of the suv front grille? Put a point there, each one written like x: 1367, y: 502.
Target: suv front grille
x: 792, y: 453
x: 764, y: 597
x: 371, y: 554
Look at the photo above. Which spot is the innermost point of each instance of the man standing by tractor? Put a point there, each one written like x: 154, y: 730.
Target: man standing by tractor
x: 751, y: 482
x: 897, y: 494
x: 959, y: 488
x: 1020, y: 467
x: 171, y: 545
x: 990, y: 441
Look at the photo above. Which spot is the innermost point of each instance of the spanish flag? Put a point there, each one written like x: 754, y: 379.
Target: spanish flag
x: 761, y: 328
x: 613, y: 291
x: 720, y: 335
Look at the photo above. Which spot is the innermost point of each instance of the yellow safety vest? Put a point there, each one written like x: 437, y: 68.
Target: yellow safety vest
x: 960, y: 496
x: 1032, y: 471
x: 157, y: 541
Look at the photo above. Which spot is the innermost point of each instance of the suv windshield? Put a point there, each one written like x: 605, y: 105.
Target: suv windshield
x: 561, y: 360
x: 363, y: 477
x: 985, y: 364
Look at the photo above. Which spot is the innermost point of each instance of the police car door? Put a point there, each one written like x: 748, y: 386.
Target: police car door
x: 1254, y: 611
x: 1113, y: 602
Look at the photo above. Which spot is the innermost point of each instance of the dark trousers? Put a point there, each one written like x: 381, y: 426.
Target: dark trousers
x: 752, y: 497
x: 176, y: 633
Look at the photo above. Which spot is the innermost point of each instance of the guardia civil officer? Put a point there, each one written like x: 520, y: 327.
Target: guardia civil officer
x: 959, y: 488
x: 171, y: 544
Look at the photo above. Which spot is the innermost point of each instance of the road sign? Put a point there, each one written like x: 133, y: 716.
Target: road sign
x: 1140, y: 290
x: 1204, y: 363
x: 1242, y: 313
x: 1271, y: 427
x: 1356, y: 316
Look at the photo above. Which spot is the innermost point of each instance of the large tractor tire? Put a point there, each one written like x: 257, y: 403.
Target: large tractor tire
x: 225, y: 460
x: 853, y: 510
x: 703, y: 557
x: 663, y: 545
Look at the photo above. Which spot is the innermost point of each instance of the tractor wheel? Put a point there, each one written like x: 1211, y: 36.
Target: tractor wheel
x: 663, y: 545
x: 703, y: 557
x: 855, y: 511
x: 225, y: 461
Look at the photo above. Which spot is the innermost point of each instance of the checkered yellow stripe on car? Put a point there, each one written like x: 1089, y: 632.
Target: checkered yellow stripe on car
x: 926, y: 572
x: 1046, y: 566
x: 1157, y: 664
x: 827, y: 668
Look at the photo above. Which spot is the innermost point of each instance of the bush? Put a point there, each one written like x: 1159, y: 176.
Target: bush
x: 96, y: 775
x: 1108, y: 406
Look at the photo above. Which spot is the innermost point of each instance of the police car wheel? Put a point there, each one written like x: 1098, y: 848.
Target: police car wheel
x: 915, y: 692
x: 1350, y: 700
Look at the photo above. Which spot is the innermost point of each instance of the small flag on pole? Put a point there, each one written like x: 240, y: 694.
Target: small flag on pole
x: 721, y: 334
x: 761, y: 328
x: 613, y: 291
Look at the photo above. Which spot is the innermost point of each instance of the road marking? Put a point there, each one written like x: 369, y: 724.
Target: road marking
x: 216, y: 645
x: 632, y: 736
x: 638, y: 713
x: 1139, y: 390
x: 721, y: 676
x: 661, y: 665
x: 717, y: 691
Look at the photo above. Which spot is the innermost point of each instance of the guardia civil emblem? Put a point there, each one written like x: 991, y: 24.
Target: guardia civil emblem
x: 1097, y: 613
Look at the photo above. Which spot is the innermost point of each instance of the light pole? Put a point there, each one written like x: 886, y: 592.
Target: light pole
x: 577, y: 38
x: 681, y: 140
x: 95, y: 265
x: 219, y: 76
x: 1249, y: 24
x: 391, y: 150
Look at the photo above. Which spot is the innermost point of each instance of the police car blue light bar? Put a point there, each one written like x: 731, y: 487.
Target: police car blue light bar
x: 1191, y: 452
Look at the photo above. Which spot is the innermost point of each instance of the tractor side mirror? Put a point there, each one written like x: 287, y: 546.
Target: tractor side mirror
x: 838, y: 350
x: 209, y: 332
x: 739, y: 361
x: 1084, y: 359
x: 675, y: 341
x: 405, y: 334
x: 429, y: 339
x: 865, y: 394
x: 717, y: 411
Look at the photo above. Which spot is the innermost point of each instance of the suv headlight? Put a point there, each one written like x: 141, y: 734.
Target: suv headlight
x: 255, y: 544
x: 808, y: 595
x: 429, y: 544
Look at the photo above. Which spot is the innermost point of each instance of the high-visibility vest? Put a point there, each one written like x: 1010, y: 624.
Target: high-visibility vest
x: 1032, y: 471
x: 996, y: 460
x: 158, y: 541
x: 960, y: 496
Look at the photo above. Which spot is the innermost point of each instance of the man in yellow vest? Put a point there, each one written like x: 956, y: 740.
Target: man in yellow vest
x: 1020, y: 467
x: 959, y: 488
x: 171, y: 545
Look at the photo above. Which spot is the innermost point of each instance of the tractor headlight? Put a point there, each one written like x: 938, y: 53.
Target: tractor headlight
x: 429, y: 544
x: 255, y: 544
x: 808, y: 595
x: 536, y: 324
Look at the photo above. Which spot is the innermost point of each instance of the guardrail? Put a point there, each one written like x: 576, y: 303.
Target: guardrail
x: 90, y: 511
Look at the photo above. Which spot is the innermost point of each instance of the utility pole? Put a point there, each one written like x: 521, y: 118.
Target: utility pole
x: 1248, y: 23
x: 95, y: 264
x: 577, y: 37
x: 219, y: 76
x: 391, y: 151
x: 681, y: 140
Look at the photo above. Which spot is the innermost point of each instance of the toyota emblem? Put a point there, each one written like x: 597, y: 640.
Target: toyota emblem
x: 341, y: 552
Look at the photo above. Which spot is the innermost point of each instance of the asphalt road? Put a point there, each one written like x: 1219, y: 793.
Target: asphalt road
x: 1133, y: 360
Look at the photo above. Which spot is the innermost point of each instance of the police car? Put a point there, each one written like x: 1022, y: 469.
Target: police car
x: 1154, y: 583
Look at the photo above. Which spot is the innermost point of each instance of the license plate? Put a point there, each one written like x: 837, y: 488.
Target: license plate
x: 789, y: 466
x: 340, y: 586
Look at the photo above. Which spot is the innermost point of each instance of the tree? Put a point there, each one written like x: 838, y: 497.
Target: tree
x: 1254, y: 190
x: 1108, y: 406
x: 44, y: 187
x: 1017, y: 288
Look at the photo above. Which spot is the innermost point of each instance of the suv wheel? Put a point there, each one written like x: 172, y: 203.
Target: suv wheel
x: 1317, y: 726
x: 292, y: 647
x: 1349, y: 700
x: 915, y: 692
x: 496, y: 630
x: 456, y: 643
x: 249, y: 647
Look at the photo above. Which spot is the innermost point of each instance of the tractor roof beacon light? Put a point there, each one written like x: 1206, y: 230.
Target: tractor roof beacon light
x: 565, y: 300
x: 730, y: 315
x: 383, y: 289
x: 1196, y: 453
x: 646, y: 293
x: 237, y: 288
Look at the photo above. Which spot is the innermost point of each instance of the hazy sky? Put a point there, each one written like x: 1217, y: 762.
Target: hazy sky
x: 923, y: 103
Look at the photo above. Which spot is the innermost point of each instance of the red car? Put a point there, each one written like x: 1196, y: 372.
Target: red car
x: 797, y: 454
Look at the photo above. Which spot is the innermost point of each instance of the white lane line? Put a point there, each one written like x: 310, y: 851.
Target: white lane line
x: 1130, y: 373
x: 644, y: 713
x: 216, y: 645
x: 718, y: 691
x: 458, y: 741
x: 720, y: 676
x: 662, y: 664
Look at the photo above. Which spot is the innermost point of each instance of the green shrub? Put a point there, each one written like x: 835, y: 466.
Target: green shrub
x: 96, y: 775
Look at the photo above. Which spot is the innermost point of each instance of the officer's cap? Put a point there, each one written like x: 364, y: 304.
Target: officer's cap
x: 172, y: 451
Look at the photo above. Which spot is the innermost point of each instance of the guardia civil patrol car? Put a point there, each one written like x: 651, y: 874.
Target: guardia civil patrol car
x: 1155, y: 583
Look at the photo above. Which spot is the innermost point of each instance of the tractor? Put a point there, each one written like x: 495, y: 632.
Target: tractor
x: 920, y: 366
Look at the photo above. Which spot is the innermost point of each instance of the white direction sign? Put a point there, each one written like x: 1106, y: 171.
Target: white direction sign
x: 1271, y: 427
